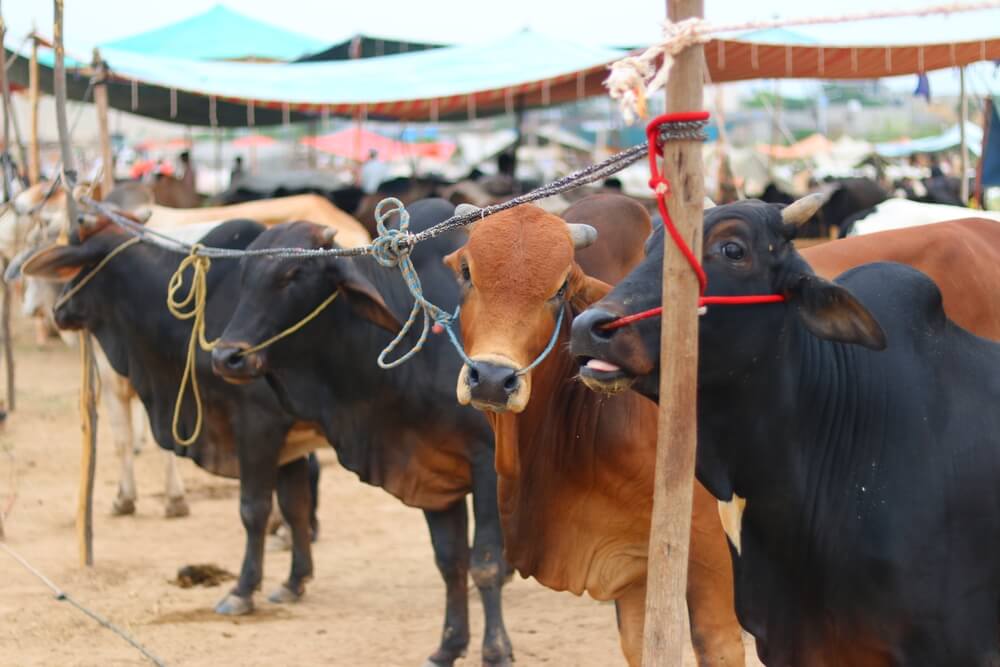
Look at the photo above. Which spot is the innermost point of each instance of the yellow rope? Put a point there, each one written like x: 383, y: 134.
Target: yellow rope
x: 192, y: 306
x: 189, y: 307
x: 295, y: 327
x: 90, y: 276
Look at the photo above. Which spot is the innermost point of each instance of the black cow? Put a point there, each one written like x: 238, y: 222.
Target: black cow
x: 245, y: 430
x: 399, y: 429
x: 845, y: 197
x: 859, y: 482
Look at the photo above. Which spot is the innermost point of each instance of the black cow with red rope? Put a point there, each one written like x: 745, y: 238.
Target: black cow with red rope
x: 849, y: 433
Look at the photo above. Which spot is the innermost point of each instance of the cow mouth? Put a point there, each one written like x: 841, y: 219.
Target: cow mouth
x: 489, y: 406
x: 603, y: 376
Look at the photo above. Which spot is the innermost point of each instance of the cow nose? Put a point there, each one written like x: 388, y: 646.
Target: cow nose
x: 230, y: 361
x: 492, y: 383
x: 588, y: 332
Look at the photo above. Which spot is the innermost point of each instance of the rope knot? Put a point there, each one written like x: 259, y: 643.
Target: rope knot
x: 392, y: 246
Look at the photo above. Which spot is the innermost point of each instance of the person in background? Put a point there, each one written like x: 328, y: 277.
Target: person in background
x: 236, y: 173
x: 373, y: 172
x: 187, y: 177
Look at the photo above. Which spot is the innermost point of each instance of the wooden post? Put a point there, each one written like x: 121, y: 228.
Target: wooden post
x: 670, y: 528
x: 101, y: 102
x: 5, y: 291
x: 963, y: 154
x: 88, y: 407
x: 34, y: 155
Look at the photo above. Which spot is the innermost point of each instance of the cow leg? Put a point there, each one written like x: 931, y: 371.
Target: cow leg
x: 449, y: 530
x: 176, y: 504
x: 630, y: 608
x: 257, y: 481
x: 119, y: 418
x: 488, y: 567
x: 314, y: 498
x: 715, y: 632
x: 295, y: 500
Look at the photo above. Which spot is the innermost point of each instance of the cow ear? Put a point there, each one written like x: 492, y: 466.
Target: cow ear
x: 831, y: 312
x: 366, y: 301
x: 58, y: 262
x: 452, y: 261
x: 586, y: 291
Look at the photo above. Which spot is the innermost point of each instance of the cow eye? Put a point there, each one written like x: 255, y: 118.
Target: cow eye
x: 562, y: 290
x: 733, y: 251
x: 466, y: 274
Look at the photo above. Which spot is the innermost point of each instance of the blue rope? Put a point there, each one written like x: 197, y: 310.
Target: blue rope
x: 392, y: 247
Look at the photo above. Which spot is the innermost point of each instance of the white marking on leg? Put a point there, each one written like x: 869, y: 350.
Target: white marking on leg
x: 731, y: 514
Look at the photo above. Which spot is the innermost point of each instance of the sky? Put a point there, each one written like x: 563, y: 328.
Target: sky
x: 615, y: 23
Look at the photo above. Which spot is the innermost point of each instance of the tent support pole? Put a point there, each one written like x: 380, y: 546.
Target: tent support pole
x: 670, y: 526
x: 34, y: 157
x: 963, y: 155
x: 101, y: 103
x: 88, y: 406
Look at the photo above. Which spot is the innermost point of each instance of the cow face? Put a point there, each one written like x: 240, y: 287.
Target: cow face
x: 517, y: 273
x: 68, y: 264
x: 747, y: 251
x: 276, y: 293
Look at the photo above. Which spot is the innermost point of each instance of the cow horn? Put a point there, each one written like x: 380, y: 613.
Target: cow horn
x: 582, y: 235
x: 466, y: 209
x: 801, y: 210
x: 708, y: 203
x: 327, y: 236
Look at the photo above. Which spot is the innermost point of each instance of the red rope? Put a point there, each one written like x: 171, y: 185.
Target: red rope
x: 661, y: 188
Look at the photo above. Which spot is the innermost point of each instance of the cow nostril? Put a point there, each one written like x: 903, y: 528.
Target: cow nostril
x: 510, y: 384
x: 601, y: 332
x: 473, y: 375
x: 235, y: 359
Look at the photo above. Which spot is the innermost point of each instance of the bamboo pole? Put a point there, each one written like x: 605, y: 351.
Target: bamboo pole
x: 34, y: 156
x: 963, y: 155
x: 88, y: 406
x: 670, y: 527
x: 101, y: 103
x: 5, y: 291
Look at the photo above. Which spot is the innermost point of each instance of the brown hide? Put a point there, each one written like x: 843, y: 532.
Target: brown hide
x: 575, y: 468
x: 173, y: 192
x: 961, y: 256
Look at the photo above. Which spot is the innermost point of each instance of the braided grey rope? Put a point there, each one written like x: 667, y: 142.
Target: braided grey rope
x: 388, y: 249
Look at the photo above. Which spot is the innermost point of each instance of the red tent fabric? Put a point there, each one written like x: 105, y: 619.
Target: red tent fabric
x: 356, y: 143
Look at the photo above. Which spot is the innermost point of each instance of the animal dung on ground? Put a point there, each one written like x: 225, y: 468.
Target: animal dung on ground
x: 207, y: 574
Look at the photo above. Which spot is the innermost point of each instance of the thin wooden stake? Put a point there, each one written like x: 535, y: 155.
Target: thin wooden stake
x: 7, y: 341
x: 88, y: 406
x: 670, y: 527
x: 34, y: 156
x: 963, y: 154
x: 101, y: 103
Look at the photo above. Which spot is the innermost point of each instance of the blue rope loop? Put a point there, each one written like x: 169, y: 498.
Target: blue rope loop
x: 391, y: 248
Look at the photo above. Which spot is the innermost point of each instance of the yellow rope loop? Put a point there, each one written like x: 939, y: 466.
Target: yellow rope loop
x: 190, y: 306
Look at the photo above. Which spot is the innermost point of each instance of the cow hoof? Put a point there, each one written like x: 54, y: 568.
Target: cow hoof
x: 234, y: 605
x: 122, y: 507
x: 284, y: 595
x: 176, y: 508
x: 444, y: 658
x: 505, y: 661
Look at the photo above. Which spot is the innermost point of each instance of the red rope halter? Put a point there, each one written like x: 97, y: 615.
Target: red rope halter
x: 661, y: 189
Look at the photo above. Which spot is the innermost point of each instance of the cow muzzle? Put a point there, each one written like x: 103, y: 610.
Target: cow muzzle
x: 492, y: 382
x: 592, y: 345
x: 234, y: 364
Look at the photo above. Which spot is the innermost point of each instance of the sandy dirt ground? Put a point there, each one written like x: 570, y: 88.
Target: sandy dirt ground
x: 376, y: 600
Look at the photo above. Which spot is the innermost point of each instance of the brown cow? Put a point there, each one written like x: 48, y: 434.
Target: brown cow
x: 575, y: 468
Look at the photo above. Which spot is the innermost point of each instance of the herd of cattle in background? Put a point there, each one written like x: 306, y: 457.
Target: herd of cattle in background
x: 848, y: 505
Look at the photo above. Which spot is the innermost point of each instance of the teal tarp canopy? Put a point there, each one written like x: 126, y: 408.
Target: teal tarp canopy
x: 947, y: 140
x: 525, y: 69
x: 219, y: 34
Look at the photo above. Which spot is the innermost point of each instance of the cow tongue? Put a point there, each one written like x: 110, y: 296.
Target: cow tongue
x: 602, y: 366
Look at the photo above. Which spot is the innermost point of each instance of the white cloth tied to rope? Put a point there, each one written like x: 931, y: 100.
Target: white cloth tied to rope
x: 635, y: 78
